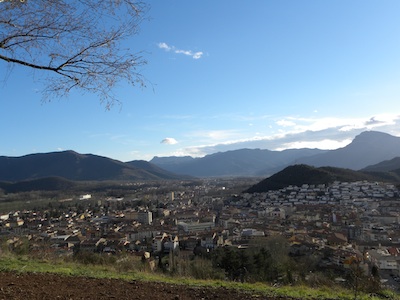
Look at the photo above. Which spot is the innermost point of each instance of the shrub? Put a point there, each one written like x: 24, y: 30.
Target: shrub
x: 86, y: 257
x: 201, y: 268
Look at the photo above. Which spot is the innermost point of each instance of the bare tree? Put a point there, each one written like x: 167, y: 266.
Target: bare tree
x: 73, y: 44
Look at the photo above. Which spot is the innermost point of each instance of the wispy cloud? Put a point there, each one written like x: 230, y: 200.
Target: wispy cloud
x: 322, y: 133
x: 214, y: 135
x: 169, y: 141
x: 295, y: 124
x: 194, y: 55
x: 285, y: 123
x: 326, y: 144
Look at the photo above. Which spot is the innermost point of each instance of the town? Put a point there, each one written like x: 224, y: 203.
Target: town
x: 338, y: 224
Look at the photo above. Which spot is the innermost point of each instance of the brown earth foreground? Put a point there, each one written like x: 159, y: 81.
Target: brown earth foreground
x: 32, y: 286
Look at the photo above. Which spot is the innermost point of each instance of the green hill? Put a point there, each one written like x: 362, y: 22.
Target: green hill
x: 298, y: 175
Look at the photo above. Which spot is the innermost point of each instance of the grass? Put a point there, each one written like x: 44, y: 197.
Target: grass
x: 24, y: 264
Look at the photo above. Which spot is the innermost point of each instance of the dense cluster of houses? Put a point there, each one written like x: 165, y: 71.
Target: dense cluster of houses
x: 353, y: 219
x: 345, y: 221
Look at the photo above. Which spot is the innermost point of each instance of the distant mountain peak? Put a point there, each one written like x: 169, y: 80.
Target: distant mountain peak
x: 372, y: 136
x: 367, y: 148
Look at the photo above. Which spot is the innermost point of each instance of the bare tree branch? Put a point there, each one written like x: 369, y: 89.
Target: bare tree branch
x: 74, y: 44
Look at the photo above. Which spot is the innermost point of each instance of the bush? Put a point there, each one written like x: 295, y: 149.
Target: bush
x: 201, y: 268
x: 91, y: 258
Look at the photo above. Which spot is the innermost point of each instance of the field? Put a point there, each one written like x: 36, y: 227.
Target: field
x: 22, y: 278
x: 51, y: 286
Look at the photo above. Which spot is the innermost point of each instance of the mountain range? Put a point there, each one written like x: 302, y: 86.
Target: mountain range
x: 372, y: 152
x: 242, y: 162
x: 368, y: 148
x: 79, y: 167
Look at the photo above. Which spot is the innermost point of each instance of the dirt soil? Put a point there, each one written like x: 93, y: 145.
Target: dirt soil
x: 32, y: 286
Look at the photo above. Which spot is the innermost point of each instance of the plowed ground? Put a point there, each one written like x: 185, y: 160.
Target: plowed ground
x: 32, y: 286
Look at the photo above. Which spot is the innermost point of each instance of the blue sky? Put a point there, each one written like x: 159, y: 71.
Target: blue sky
x: 225, y: 75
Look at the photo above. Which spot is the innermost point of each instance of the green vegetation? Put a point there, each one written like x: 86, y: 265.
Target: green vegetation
x: 194, y: 271
x: 24, y: 264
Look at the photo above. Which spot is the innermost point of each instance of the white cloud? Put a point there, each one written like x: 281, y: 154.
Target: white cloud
x: 285, y: 123
x: 215, y: 136
x: 325, y: 144
x: 194, y: 55
x: 197, y: 55
x: 169, y: 141
x: 296, y: 124
x: 322, y: 133
x: 164, y: 46
x: 188, y: 53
